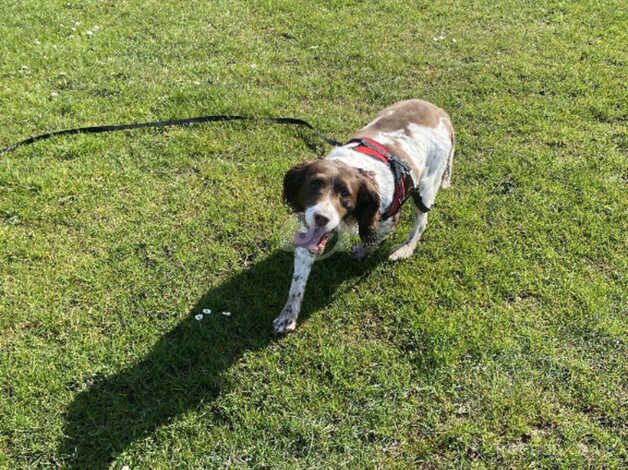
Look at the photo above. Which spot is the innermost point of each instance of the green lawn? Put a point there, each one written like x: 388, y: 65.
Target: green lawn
x: 500, y: 343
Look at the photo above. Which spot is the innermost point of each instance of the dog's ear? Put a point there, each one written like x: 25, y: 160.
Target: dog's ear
x: 292, y: 185
x: 367, y: 208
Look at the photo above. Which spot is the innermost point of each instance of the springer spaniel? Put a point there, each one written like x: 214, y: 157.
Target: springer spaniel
x: 407, y: 151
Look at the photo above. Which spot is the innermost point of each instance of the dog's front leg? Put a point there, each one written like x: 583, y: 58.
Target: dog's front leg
x: 287, y: 319
x: 366, y: 247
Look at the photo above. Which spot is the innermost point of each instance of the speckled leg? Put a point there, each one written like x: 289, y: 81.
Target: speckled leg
x: 287, y: 319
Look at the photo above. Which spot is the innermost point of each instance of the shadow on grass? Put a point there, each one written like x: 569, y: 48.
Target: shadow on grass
x: 186, y: 366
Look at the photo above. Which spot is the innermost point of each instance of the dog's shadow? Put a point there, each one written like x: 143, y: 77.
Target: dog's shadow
x: 186, y: 366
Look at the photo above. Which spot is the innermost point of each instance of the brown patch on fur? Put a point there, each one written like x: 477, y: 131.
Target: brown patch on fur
x: 367, y: 208
x: 353, y: 191
x: 398, y: 117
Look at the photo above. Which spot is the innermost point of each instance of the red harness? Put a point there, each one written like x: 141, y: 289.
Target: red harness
x: 404, y: 184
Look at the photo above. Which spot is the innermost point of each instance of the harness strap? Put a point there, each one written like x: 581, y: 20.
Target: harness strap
x: 416, y: 197
x: 402, y: 174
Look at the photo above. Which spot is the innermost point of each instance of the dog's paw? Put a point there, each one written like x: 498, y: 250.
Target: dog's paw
x: 403, y: 252
x: 284, y: 324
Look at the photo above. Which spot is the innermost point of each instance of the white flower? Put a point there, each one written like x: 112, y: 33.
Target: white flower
x: 198, y: 317
x: 207, y: 311
x: 226, y: 314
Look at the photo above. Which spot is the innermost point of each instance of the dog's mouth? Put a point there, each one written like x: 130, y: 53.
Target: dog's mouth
x: 315, y: 239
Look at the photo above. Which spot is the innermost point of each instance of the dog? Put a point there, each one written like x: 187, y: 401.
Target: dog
x: 406, y: 152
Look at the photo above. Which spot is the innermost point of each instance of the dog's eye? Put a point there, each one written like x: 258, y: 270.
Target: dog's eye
x: 343, y: 191
x: 316, y: 184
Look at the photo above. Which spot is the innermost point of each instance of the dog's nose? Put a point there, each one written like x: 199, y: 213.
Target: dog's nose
x: 321, y: 220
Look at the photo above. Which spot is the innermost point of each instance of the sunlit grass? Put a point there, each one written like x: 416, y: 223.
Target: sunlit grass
x: 501, y: 343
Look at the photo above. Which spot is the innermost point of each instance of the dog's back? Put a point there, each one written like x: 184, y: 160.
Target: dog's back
x: 420, y: 133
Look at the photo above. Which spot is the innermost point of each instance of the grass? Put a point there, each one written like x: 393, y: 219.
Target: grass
x: 501, y: 343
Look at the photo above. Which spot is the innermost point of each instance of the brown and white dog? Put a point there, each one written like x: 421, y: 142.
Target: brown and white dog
x: 348, y: 188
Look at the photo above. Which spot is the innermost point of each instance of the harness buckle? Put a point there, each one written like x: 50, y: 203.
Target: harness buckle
x: 400, y: 168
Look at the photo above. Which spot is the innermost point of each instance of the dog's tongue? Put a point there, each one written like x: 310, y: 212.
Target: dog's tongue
x: 310, y: 239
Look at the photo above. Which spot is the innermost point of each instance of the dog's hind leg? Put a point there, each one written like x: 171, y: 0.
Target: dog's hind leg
x: 446, y: 181
x: 438, y: 174
x: 407, y: 248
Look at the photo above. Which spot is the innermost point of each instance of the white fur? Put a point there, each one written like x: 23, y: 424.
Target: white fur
x: 324, y: 208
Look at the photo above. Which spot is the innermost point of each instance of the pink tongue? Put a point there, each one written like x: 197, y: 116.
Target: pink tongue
x: 310, y: 238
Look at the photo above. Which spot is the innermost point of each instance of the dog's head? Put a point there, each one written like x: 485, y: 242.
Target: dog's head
x: 327, y: 192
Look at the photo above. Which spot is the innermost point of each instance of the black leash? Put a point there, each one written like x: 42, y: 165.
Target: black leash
x: 175, y: 122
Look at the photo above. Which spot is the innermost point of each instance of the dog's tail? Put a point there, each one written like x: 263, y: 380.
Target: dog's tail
x: 446, y: 181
